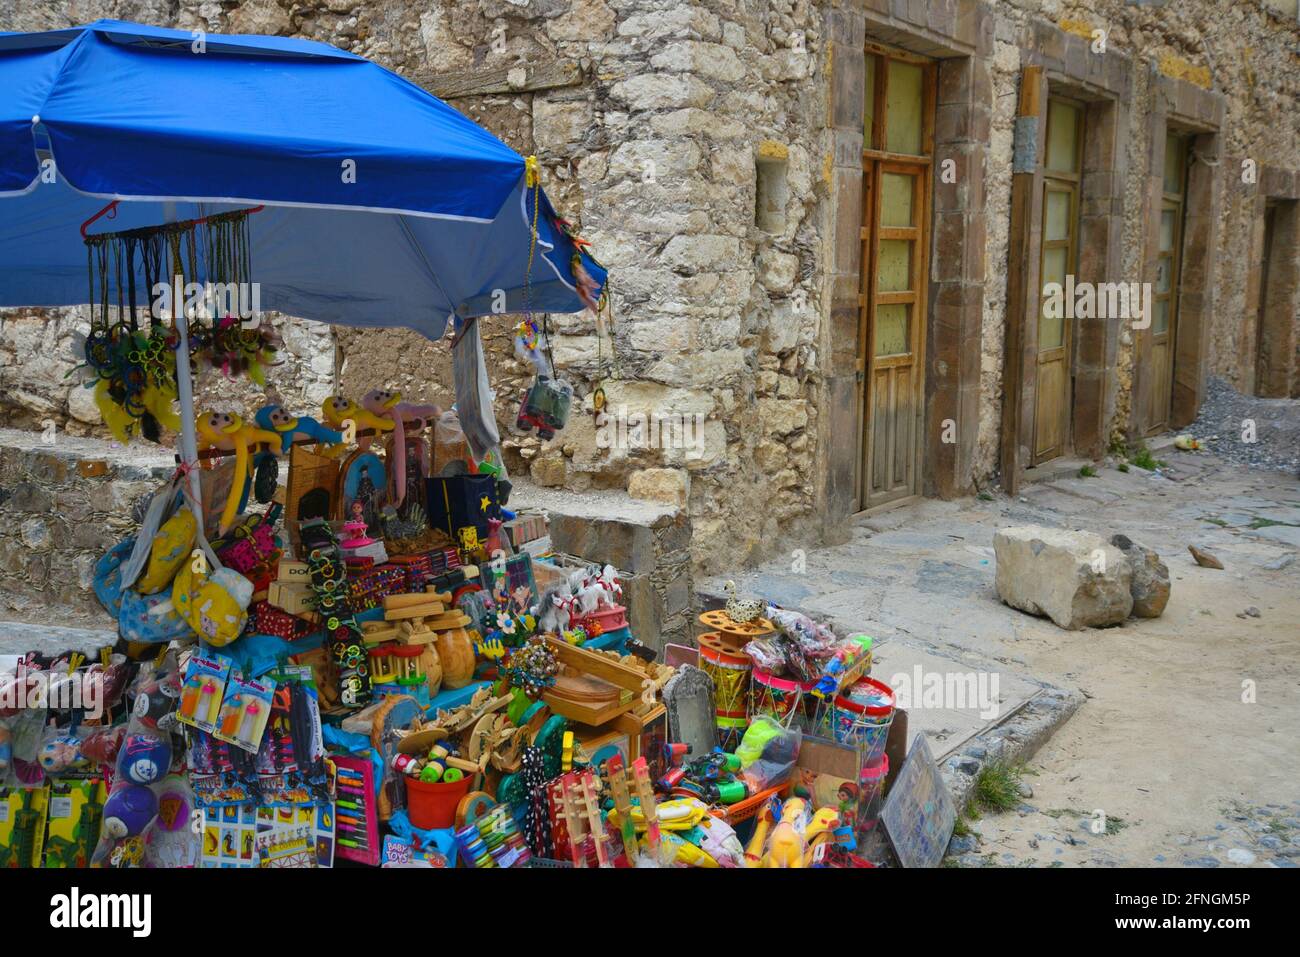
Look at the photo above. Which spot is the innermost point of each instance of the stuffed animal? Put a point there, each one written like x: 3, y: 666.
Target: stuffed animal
x: 338, y: 410
x: 388, y: 405
x: 273, y: 418
x: 227, y: 432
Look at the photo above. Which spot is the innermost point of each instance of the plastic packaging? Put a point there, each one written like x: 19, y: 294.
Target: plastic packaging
x: 768, y: 753
x: 143, y: 786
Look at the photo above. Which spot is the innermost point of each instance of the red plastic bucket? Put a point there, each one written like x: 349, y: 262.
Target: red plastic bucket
x: 433, y: 806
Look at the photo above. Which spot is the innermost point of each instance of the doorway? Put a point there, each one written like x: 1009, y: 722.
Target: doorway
x: 898, y: 140
x: 1058, y: 259
x: 1164, y: 306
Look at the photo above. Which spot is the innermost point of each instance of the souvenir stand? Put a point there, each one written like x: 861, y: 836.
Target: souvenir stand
x: 366, y: 656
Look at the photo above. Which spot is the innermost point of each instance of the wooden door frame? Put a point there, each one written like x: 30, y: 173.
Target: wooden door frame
x: 1071, y: 182
x: 1179, y: 202
x: 876, y: 162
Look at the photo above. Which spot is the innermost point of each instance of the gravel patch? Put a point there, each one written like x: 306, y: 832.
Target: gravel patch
x: 1224, y: 420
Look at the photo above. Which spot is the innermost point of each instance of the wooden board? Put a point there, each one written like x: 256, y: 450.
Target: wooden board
x: 412, y: 598
x: 427, y: 610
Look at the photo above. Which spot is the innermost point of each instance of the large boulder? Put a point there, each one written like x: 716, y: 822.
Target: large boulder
x: 1150, y: 585
x: 1076, y: 579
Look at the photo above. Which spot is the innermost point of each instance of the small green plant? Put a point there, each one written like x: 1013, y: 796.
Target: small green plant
x: 1087, y: 472
x: 1215, y: 520
x: 1266, y: 523
x: 1123, y: 466
x: 985, y: 497
x: 997, y: 787
x: 960, y: 828
x: 1143, y: 459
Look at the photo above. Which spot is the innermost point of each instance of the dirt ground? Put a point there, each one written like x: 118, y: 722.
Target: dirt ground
x: 1186, y: 751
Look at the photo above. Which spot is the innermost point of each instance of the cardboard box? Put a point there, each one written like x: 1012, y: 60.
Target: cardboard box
x: 296, y: 572
x: 291, y: 597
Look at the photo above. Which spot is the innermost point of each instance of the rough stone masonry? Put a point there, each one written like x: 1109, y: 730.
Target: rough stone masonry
x: 707, y: 150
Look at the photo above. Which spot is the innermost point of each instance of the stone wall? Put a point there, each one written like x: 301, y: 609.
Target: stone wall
x: 65, y: 504
x: 692, y: 141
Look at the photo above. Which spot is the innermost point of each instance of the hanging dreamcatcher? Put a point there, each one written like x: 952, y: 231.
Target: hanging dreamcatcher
x: 129, y: 355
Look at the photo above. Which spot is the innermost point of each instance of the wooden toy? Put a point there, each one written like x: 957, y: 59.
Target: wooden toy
x: 591, y: 688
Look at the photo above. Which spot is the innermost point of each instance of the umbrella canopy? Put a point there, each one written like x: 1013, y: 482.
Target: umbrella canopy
x: 383, y: 205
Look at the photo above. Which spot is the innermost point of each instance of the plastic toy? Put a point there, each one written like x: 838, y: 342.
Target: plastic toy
x: 228, y: 433
x: 128, y: 811
x: 338, y: 410
x: 545, y: 407
x: 6, y: 750
x: 388, y: 405
x: 143, y: 758
x: 295, y: 428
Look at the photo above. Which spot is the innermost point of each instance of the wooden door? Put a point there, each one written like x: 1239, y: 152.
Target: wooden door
x: 1054, y: 382
x: 895, y: 272
x: 1164, y: 306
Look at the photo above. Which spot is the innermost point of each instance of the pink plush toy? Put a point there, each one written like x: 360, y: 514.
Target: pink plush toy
x: 388, y: 404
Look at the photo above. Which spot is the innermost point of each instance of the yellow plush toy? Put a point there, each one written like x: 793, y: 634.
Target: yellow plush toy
x: 338, y: 410
x: 171, y: 546
x: 215, y: 605
x: 227, y: 432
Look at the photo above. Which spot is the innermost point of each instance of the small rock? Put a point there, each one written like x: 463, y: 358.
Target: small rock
x: 1150, y: 583
x: 1204, y: 558
x: 1025, y: 790
x: 1253, y: 612
x: 961, y: 844
x: 1202, y: 862
x: 1271, y: 842
x: 1282, y: 561
x: 1239, y: 855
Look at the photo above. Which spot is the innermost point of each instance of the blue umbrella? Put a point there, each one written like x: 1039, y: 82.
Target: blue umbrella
x: 383, y: 206
x: 377, y: 204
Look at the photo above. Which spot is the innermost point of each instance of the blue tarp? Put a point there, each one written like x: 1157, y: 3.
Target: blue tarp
x: 435, y: 220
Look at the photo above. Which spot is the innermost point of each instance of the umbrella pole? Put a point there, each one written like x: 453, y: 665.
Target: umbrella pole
x: 189, y: 444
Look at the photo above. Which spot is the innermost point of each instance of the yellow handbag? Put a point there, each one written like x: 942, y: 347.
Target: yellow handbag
x: 215, y: 605
x: 171, y: 547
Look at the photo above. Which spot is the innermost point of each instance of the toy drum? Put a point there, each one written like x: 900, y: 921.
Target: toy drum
x: 774, y: 696
x: 860, y: 718
x: 730, y: 732
x: 730, y: 674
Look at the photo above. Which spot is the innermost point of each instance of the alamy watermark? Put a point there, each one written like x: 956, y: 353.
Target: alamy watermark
x: 950, y: 690
x: 637, y: 431
x: 1130, y: 301
x: 209, y: 300
x: 81, y: 691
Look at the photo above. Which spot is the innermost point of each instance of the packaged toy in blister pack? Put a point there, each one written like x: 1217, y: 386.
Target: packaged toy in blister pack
x: 245, y: 710
x: 291, y: 766
x: 76, y: 814
x: 203, y: 690
x: 222, y: 774
x: 329, y: 584
x: 22, y: 825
